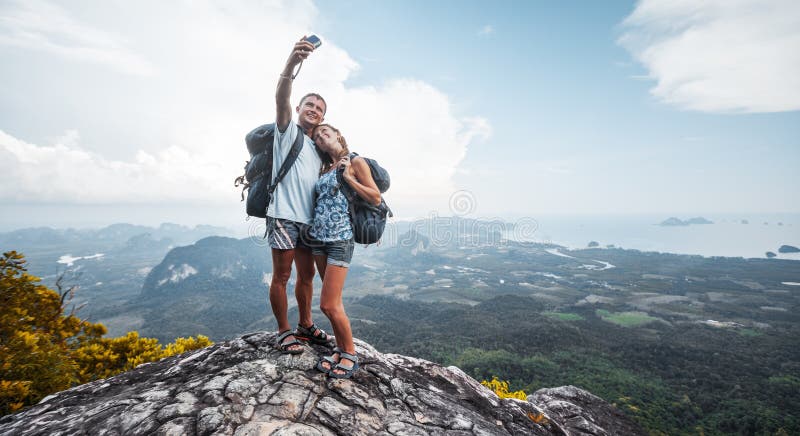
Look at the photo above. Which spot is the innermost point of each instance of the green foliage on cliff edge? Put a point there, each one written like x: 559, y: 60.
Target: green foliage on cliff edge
x: 44, y: 350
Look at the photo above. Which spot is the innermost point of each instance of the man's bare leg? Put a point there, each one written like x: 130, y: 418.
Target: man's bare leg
x: 281, y: 271
x: 304, y: 288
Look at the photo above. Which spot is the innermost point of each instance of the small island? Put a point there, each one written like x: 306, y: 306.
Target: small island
x: 788, y: 249
x: 673, y: 221
x: 770, y: 254
x: 593, y: 244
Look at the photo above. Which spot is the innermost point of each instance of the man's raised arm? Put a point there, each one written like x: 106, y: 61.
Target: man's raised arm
x: 283, y: 94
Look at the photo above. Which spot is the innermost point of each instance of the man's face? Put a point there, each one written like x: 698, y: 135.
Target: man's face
x: 311, y: 111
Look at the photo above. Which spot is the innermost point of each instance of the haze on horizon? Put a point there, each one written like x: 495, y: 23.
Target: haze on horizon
x: 653, y: 107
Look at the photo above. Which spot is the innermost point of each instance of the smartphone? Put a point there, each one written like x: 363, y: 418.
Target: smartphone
x: 315, y: 41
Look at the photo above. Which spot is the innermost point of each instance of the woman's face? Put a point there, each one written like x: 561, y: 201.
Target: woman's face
x: 328, y: 140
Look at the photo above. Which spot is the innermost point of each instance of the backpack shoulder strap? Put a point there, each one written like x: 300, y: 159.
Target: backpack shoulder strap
x: 350, y: 193
x: 290, y: 159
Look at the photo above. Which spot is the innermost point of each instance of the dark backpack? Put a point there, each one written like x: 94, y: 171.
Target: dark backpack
x: 257, y: 178
x: 368, y: 221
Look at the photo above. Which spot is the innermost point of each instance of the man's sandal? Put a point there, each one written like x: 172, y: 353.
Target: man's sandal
x: 284, y: 346
x: 348, y: 370
x: 307, y: 334
x: 331, y: 361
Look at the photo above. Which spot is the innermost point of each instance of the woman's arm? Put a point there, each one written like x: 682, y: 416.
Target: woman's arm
x: 358, y: 175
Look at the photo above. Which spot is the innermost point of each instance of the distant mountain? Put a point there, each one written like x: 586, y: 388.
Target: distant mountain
x: 37, y: 236
x: 673, y: 221
x: 106, y: 238
x: 146, y: 241
x: 217, y: 286
x: 450, y: 231
x: 212, y: 258
x: 699, y: 220
x: 119, y: 232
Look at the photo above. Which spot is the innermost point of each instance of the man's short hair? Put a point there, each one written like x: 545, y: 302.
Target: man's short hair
x: 319, y: 97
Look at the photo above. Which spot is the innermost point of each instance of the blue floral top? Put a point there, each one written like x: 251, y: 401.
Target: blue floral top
x: 331, y: 212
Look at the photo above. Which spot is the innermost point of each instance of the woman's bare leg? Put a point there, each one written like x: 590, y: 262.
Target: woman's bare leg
x: 322, y: 261
x: 332, y: 306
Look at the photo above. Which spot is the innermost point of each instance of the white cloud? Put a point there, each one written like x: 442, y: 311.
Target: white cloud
x: 43, y: 26
x: 719, y: 55
x: 408, y: 126
x: 217, y: 70
x: 486, y: 30
x: 65, y: 173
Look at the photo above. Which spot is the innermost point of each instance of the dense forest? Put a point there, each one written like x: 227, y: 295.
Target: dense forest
x: 673, y: 379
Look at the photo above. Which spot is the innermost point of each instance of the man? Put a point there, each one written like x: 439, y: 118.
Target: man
x: 290, y: 211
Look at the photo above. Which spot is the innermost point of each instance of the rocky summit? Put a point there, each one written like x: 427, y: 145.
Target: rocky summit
x: 246, y: 387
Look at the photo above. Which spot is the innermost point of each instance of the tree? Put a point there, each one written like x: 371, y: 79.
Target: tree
x: 35, y: 337
x: 45, y: 350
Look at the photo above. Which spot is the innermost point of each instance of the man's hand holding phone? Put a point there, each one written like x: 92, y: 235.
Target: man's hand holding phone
x: 302, y: 49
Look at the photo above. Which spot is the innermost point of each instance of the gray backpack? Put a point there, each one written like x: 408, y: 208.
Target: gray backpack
x: 368, y: 221
x: 257, y: 178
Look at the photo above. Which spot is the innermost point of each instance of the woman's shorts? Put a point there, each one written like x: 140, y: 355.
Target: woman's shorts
x: 338, y: 253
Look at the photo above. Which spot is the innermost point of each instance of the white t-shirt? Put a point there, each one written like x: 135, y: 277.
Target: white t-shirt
x: 293, y: 199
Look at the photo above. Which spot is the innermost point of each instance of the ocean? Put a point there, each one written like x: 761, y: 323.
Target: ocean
x: 739, y: 235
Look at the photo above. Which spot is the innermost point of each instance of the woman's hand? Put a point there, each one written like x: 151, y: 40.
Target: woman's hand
x: 359, y: 177
x: 349, y: 174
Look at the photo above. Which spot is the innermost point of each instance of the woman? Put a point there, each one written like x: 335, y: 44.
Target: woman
x: 332, y: 240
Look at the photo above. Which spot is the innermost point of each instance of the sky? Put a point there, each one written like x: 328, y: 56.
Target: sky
x: 136, y: 111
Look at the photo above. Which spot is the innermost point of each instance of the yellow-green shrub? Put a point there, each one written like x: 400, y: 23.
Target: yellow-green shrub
x: 500, y: 388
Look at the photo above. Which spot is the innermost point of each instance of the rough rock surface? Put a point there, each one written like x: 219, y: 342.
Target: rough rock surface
x: 246, y: 387
x: 570, y: 405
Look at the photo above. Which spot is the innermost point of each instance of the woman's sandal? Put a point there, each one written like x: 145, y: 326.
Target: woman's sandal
x: 330, y: 359
x: 284, y: 346
x: 348, y: 370
x: 307, y: 334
